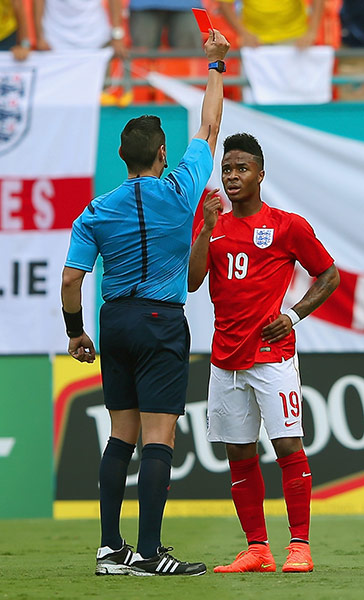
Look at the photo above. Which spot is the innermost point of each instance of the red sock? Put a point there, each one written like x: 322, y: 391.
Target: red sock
x: 247, y: 490
x: 297, y: 483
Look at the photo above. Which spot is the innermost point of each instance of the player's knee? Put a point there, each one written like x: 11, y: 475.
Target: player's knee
x: 241, y: 451
x: 286, y: 446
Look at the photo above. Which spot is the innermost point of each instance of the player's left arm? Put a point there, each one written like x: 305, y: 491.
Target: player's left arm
x: 80, y: 344
x: 22, y: 48
x: 309, y: 38
x: 117, y: 32
x: 324, y: 285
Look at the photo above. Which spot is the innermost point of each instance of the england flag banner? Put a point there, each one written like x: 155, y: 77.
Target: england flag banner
x: 49, y: 116
x: 315, y: 174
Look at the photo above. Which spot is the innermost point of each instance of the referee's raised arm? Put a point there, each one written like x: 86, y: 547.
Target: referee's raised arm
x: 216, y: 48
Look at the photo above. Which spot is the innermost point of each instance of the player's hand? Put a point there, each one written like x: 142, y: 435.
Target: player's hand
x: 246, y: 38
x: 20, y: 53
x: 120, y: 51
x: 306, y: 40
x: 216, y: 46
x: 211, y: 208
x: 82, y: 349
x: 42, y: 45
x: 277, y: 330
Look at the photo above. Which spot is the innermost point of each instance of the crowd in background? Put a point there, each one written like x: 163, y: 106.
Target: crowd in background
x: 151, y: 24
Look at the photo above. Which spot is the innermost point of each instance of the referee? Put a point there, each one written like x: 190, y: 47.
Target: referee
x: 142, y: 230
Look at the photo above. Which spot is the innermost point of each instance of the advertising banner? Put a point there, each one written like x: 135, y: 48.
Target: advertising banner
x: 333, y: 390
x: 26, y: 459
x: 49, y: 114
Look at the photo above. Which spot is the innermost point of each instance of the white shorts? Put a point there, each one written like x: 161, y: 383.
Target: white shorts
x: 239, y: 400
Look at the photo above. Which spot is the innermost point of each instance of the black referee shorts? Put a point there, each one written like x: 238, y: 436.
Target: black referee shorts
x: 144, y: 350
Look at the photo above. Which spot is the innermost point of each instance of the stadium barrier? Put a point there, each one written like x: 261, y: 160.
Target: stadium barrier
x: 127, y: 79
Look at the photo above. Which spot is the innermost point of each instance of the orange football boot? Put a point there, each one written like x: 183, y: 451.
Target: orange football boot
x: 258, y: 558
x: 299, y: 559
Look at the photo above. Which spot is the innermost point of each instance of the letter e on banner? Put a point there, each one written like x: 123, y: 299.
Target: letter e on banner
x: 42, y: 192
x: 11, y: 204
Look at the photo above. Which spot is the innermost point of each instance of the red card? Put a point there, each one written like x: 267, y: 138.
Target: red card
x: 203, y: 19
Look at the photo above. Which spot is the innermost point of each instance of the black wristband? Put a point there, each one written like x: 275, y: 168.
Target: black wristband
x: 74, y: 323
x: 218, y: 65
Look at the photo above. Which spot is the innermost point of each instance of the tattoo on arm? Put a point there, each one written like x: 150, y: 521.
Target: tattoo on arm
x: 321, y: 289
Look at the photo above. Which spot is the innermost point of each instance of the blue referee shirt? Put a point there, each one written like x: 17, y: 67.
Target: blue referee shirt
x: 142, y: 230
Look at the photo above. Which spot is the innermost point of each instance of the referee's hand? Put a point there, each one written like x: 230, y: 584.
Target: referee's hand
x: 82, y: 349
x: 216, y: 46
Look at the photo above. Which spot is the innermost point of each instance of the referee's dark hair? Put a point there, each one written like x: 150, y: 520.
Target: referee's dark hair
x: 247, y: 143
x: 140, y: 140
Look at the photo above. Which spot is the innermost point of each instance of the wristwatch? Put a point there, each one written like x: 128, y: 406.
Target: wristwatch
x: 218, y: 65
x: 117, y: 33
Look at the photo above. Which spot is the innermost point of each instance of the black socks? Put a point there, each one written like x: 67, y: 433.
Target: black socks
x: 113, y: 471
x: 153, y: 486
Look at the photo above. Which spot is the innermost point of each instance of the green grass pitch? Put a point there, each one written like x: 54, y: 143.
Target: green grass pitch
x: 48, y: 559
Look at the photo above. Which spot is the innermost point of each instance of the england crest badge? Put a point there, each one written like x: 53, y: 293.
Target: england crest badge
x: 263, y: 237
x: 16, y: 90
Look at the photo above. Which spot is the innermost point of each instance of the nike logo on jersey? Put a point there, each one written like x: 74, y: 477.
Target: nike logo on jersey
x: 290, y: 424
x: 306, y: 474
x: 213, y: 239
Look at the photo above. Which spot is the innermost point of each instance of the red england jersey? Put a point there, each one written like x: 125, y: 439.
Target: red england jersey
x: 250, y: 264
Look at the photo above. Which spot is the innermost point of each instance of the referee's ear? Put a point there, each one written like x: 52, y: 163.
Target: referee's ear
x: 161, y: 155
x: 163, y: 152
